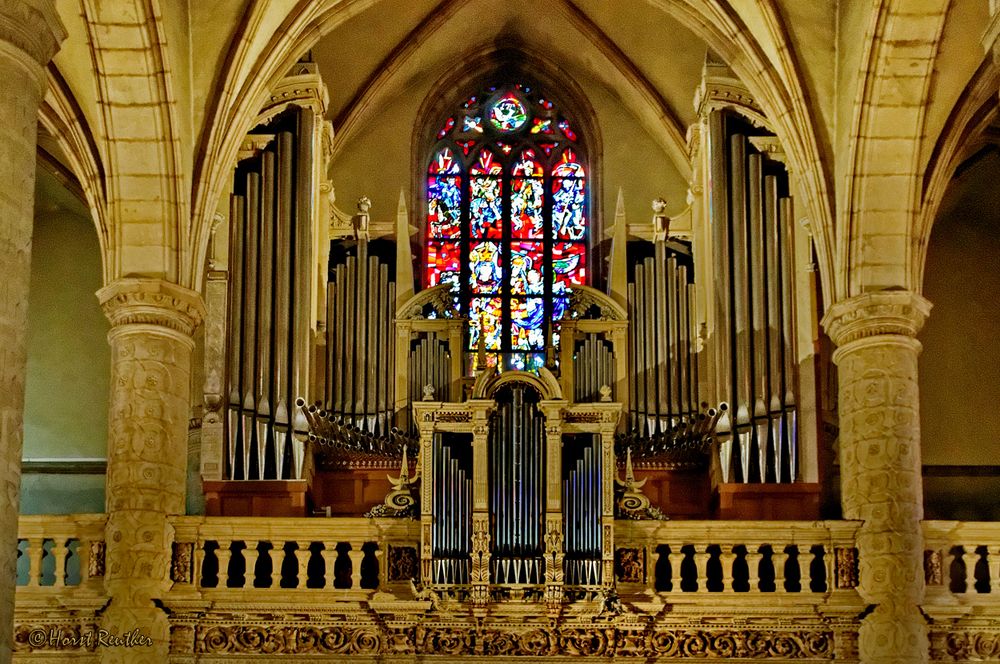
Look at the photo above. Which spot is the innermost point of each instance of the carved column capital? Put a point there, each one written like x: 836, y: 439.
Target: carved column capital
x: 896, y: 312
x: 33, y: 26
x: 152, y: 302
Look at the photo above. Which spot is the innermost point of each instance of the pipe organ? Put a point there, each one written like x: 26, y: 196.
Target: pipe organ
x: 754, y: 344
x: 594, y: 368
x: 516, y: 485
x: 271, y: 212
x: 452, y: 496
x: 581, y: 499
x: 516, y: 470
x: 361, y: 296
x: 662, y: 358
x: 430, y: 366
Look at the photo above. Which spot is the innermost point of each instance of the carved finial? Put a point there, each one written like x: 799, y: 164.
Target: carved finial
x: 605, y: 392
x: 428, y: 392
x: 661, y: 222
x: 360, y: 220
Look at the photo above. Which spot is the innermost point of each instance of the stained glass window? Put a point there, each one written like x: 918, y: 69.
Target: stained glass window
x: 507, y: 221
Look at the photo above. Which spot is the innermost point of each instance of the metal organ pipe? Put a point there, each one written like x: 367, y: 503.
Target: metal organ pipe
x: 270, y: 302
x: 754, y: 318
x: 234, y: 375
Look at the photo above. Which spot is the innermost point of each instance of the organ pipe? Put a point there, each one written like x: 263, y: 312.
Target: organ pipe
x: 271, y: 221
x: 754, y: 324
x: 516, y: 485
x: 360, y: 295
x: 452, y: 509
x: 660, y: 348
x: 581, y: 491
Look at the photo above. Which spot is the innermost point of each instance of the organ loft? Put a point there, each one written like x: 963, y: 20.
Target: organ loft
x: 454, y: 331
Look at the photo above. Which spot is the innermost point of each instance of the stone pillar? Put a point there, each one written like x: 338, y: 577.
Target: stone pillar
x: 152, y: 323
x: 880, y: 465
x: 30, y: 34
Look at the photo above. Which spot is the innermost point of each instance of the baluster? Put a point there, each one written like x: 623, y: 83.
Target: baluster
x: 59, y: 552
x: 949, y: 562
x: 356, y: 555
x: 970, y: 556
x: 779, y: 558
x: 993, y: 561
x: 302, y: 554
x: 223, y: 554
x: 754, y: 556
x: 83, y: 553
x: 727, y: 558
x: 35, y: 552
x: 829, y: 560
x: 199, y: 561
x: 329, y: 554
x: 277, y: 554
x: 701, y: 564
x: 814, y: 551
x: 250, y: 554
x: 379, y: 559
x: 676, y: 558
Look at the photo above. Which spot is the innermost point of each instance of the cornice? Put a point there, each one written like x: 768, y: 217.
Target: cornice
x: 152, y: 302
x: 32, y: 26
x: 895, y: 312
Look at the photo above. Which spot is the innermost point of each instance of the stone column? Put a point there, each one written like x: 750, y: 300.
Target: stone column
x: 152, y: 323
x: 30, y: 34
x: 880, y: 465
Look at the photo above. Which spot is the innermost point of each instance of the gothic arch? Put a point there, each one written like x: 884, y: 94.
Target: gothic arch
x: 886, y: 131
x: 967, y: 130
x: 260, y: 55
x: 147, y: 204
x: 61, y: 116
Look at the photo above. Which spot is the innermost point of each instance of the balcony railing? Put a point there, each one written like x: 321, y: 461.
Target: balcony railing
x: 348, y: 557
x: 684, y: 561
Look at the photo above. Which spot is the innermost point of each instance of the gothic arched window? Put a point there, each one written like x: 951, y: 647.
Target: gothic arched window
x: 507, y: 221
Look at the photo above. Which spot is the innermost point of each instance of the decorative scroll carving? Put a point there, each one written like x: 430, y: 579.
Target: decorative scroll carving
x: 933, y: 568
x: 445, y: 640
x: 973, y: 646
x: 402, y: 563
x: 95, y: 565
x: 402, y: 498
x: 847, y: 568
x: 288, y: 640
x: 631, y: 503
x: 630, y: 565
x: 180, y: 563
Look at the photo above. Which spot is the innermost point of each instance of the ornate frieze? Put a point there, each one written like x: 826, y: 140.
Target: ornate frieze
x: 527, y: 640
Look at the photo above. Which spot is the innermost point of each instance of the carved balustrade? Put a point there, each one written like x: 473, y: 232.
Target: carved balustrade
x: 349, y: 557
x: 58, y: 555
x: 694, y: 562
